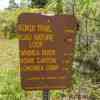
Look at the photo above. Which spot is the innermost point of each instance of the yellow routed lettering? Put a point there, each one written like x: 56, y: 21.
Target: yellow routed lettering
x: 35, y: 44
x: 48, y: 52
x: 51, y: 67
x: 44, y: 37
x: 34, y: 78
x: 46, y: 60
x: 44, y: 28
x: 32, y: 68
x: 26, y: 28
x: 24, y: 36
x: 69, y: 30
x: 27, y: 60
x: 34, y: 28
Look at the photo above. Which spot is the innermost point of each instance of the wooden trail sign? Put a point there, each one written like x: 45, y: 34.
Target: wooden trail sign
x: 46, y: 50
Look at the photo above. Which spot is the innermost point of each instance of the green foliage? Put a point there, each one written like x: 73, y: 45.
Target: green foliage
x: 12, y: 4
x: 24, y: 3
x: 39, y: 3
x: 59, y: 7
x: 8, y: 19
x: 10, y: 88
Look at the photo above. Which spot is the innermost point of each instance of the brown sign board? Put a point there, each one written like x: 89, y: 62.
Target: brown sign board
x: 46, y: 50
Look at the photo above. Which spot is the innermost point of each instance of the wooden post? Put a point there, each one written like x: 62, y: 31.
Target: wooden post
x: 46, y: 95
